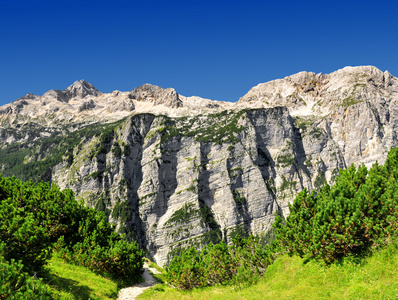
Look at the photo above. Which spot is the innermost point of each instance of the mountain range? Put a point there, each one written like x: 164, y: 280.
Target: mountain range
x: 174, y: 171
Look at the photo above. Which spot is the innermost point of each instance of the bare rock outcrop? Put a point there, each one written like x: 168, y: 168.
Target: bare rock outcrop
x: 88, y: 105
x: 156, y: 95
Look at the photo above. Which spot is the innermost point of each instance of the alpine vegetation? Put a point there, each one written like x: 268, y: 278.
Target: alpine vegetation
x: 38, y: 219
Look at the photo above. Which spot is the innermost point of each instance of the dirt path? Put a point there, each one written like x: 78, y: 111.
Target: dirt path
x: 132, y: 292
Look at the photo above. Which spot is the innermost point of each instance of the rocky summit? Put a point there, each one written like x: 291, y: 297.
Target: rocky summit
x: 174, y: 171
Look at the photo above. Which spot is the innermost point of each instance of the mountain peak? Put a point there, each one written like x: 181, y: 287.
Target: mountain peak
x: 307, y: 93
x: 82, y: 88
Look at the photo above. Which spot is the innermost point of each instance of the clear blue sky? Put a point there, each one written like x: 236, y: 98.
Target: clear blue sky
x: 213, y: 49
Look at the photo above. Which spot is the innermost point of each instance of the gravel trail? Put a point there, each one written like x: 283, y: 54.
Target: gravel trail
x: 132, y: 292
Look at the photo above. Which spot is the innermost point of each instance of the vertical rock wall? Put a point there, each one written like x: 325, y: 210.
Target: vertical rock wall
x: 176, y: 185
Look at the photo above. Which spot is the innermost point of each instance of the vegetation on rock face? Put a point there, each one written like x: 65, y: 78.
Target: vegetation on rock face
x: 305, y: 123
x: 349, y: 101
x: 34, y: 158
x: 182, y: 215
x: 35, y: 219
x: 219, y: 128
x: 309, y: 126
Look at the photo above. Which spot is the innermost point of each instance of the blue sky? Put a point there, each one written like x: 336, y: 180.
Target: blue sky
x: 213, y: 49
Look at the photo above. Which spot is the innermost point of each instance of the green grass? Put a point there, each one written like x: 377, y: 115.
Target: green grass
x: 68, y: 281
x: 291, y: 278
x: 349, y: 101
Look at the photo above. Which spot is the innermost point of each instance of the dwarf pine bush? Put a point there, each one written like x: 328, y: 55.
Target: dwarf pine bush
x: 241, y: 263
x: 359, y: 212
x: 16, y: 283
x: 35, y: 219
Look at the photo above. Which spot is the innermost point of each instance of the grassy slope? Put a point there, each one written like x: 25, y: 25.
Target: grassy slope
x: 287, y: 278
x: 291, y: 278
x: 68, y: 281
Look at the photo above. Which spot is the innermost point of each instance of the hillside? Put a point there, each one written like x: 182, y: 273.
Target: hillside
x: 294, y: 278
x: 174, y: 171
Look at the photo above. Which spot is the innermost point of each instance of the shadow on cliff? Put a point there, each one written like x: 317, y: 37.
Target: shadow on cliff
x: 206, y: 198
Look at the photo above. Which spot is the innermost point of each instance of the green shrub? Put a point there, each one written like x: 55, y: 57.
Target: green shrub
x: 116, y: 150
x: 17, y: 284
x: 182, y: 215
x: 126, y: 150
x: 32, y: 218
x: 122, y: 211
x: 36, y: 217
x: 360, y: 211
x: 94, y: 243
x: 240, y: 263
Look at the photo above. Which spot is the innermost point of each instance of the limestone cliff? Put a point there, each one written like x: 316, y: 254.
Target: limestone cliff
x: 174, y: 171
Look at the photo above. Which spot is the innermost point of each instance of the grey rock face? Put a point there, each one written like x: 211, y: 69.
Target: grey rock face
x: 156, y: 95
x: 86, y: 105
x: 30, y: 96
x: 203, y: 179
x: 6, y: 110
x: 58, y: 95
